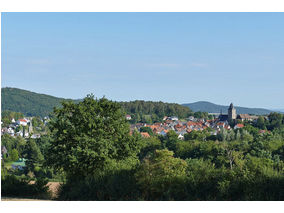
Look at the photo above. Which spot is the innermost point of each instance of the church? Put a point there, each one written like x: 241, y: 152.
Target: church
x: 231, y: 116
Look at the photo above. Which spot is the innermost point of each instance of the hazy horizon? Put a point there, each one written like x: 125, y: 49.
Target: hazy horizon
x: 170, y: 57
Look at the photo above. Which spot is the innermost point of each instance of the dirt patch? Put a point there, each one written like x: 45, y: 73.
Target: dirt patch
x: 53, y: 188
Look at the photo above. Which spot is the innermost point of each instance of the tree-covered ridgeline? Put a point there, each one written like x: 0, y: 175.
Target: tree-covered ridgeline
x: 91, y: 149
x: 34, y: 104
x: 28, y: 103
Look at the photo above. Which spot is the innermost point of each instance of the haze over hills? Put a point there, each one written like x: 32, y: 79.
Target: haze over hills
x: 205, y: 106
x: 278, y: 110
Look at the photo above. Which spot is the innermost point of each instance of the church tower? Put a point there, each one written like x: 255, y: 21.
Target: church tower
x: 232, y: 113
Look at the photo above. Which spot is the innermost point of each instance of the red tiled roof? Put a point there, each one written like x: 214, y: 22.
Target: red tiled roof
x: 240, y: 125
x: 145, y: 134
x: 23, y: 120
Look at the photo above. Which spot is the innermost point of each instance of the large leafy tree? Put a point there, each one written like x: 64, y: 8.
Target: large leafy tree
x: 89, y: 137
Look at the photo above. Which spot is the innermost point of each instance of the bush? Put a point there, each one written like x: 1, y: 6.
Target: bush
x: 117, y: 186
x: 13, y: 186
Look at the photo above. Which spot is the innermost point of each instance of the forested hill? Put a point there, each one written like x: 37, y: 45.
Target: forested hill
x: 149, y: 111
x: 28, y: 103
x: 35, y: 104
x: 205, y: 106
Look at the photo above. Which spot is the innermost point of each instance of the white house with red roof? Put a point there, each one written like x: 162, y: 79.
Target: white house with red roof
x: 128, y: 117
x: 22, y: 122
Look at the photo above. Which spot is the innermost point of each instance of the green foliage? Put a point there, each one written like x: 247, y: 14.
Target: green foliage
x: 160, y: 175
x: 11, y: 143
x: 33, y: 155
x: 28, y: 103
x: 37, y: 124
x: 10, y: 115
x: 204, y: 115
x: 148, y: 111
x: 276, y: 120
x: 148, y: 146
x: 43, y: 143
x: 147, y: 129
x: 261, y: 122
x: 197, y: 135
x: 88, y: 137
x: 12, y: 186
x: 120, y: 185
x: 34, y: 104
x: 171, y: 140
x: 14, y: 155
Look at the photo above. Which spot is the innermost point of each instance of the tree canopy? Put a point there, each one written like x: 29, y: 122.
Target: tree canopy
x: 88, y: 136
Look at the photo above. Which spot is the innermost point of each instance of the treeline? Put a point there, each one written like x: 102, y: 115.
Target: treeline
x: 149, y: 111
x: 34, y: 104
x: 275, y: 120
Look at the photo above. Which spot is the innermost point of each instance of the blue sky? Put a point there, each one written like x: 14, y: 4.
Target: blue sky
x: 171, y: 57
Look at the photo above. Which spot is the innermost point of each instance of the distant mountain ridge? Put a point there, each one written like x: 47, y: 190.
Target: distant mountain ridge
x: 205, y: 106
x: 35, y: 104
x: 27, y: 102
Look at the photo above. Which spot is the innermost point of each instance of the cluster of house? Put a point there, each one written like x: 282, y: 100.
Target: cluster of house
x: 194, y: 124
x: 13, y: 130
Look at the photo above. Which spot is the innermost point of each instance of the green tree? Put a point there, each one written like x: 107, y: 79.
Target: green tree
x: 14, y: 155
x: 196, y: 135
x: 260, y: 122
x: 160, y: 175
x: 33, y: 155
x: 147, y: 129
x: 276, y: 120
x: 89, y: 136
x: 171, y: 140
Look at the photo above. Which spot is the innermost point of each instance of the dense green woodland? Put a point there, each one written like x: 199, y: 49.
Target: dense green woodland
x: 89, y: 149
x: 34, y: 104
x: 28, y: 103
x: 149, y: 112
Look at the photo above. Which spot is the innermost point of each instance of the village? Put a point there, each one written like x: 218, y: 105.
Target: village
x: 24, y: 128
x: 181, y: 127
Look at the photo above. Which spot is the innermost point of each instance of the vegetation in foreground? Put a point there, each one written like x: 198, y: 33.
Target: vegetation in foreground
x: 91, y: 150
